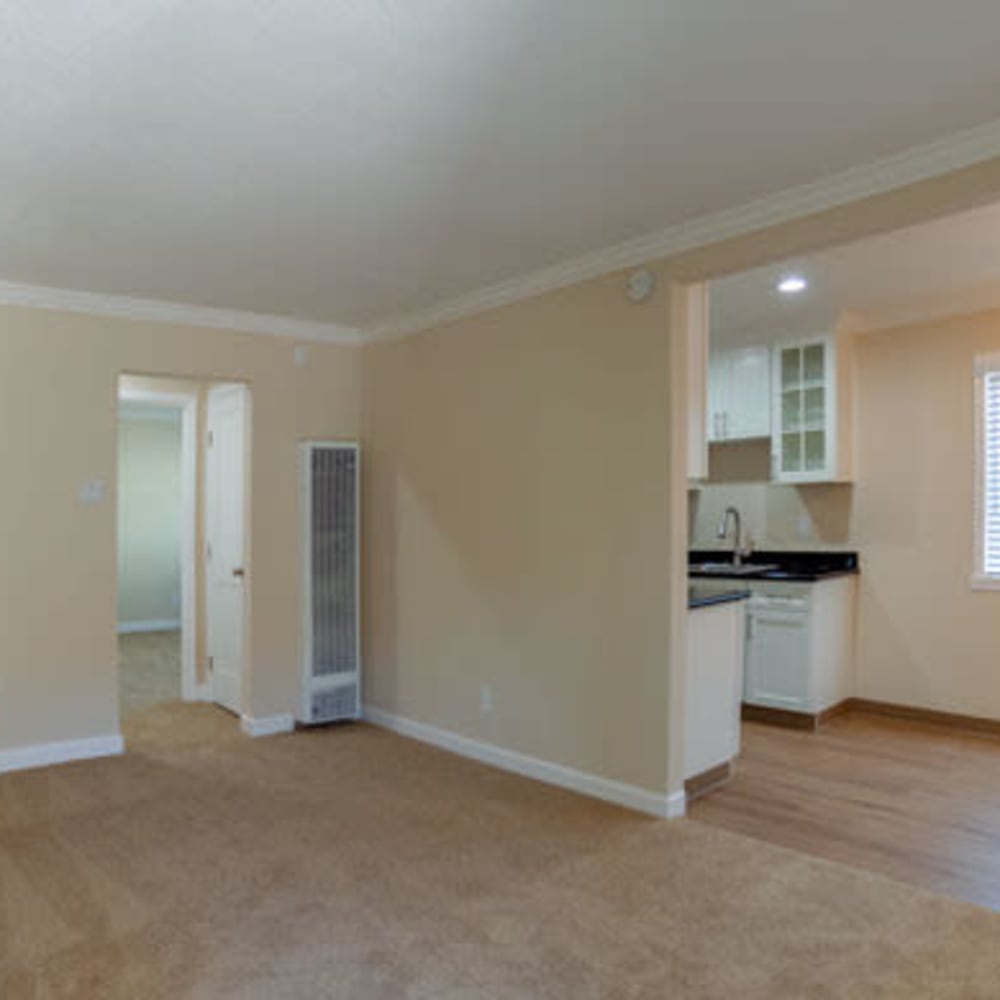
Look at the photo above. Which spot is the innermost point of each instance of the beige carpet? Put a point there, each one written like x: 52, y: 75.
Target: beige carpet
x: 350, y: 863
x: 149, y: 669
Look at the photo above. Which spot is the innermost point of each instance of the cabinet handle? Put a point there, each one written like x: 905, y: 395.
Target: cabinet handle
x: 725, y: 424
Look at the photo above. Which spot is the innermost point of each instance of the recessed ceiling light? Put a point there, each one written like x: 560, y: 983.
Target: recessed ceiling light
x: 792, y: 284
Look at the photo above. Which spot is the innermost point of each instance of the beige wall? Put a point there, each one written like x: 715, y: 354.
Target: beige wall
x: 501, y: 449
x: 149, y: 518
x: 517, y: 483
x: 526, y: 521
x: 926, y: 638
x: 57, y: 558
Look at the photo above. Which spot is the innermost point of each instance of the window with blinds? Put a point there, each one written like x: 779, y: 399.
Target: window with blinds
x: 987, y: 570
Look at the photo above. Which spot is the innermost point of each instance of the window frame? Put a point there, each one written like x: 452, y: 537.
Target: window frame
x: 985, y: 364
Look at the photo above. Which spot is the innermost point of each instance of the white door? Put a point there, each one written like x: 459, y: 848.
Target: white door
x: 225, y: 541
x: 717, y: 396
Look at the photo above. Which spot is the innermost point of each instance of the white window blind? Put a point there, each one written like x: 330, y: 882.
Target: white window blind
x: 987, y: 569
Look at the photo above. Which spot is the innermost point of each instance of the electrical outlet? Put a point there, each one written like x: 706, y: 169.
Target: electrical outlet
x: 486, y: 699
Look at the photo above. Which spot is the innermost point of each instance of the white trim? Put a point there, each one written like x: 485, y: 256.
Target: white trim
x: 189, y: 547
x: 46, y: 754
x: 631, y: 797
x: 270, y: 725
x: 177, y: 313
x: 149, y: 625
x: 920, y: 163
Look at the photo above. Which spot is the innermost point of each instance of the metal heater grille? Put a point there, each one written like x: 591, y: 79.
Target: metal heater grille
x: 332, y: 668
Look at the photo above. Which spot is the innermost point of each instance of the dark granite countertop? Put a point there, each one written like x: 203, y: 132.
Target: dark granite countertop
x: 801, y: 567
x: 703, y: 594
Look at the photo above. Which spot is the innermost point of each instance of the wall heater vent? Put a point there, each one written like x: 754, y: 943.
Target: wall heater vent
x: 331, y: 671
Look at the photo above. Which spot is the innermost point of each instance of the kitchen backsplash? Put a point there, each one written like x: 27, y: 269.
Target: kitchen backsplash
x: 775, y: 516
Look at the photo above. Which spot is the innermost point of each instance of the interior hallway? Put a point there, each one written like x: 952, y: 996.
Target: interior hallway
x: 349, y: 862
x: 149, y: 670
x: 913, y: 801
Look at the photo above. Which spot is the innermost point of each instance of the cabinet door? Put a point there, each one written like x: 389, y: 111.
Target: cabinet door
x: 718, y: 396
x: 777, y: 660
x: 714, y: 686
x: 803, y: 412
x: 748, y: 406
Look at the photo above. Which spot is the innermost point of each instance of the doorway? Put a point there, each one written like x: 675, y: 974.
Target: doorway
x: 182, y: 487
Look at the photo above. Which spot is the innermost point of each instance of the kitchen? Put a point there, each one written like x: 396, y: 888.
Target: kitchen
x: 838, y: 501
x: 778, y: 412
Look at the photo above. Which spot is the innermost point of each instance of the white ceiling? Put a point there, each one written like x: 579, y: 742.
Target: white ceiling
x: 940, y: 268
x: 351, y: 160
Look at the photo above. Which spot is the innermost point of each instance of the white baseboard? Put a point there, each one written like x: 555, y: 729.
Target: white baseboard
x: 46, y: 754
x: 151, y: 625
x: 630, y: 796
x: 270, y: 725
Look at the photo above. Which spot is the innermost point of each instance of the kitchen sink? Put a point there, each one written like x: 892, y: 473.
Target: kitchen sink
x: 731, y: 569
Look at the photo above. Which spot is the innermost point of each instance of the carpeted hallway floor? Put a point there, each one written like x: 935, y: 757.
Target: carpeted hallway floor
x: 350, y: 863
x: 149, y: 669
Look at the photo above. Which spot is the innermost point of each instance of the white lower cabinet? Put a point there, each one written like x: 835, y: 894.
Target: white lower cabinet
x: 800, y: 644
x: 714, y: 685
x: 777, y: 662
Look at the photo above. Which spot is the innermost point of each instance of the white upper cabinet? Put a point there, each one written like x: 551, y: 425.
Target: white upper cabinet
x: 739, y: 394
x: 811, y: 411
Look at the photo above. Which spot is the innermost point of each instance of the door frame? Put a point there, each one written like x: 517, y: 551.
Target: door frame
x: 188, y: 405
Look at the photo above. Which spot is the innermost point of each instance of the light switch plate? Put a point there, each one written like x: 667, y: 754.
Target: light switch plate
x: 91, y: 492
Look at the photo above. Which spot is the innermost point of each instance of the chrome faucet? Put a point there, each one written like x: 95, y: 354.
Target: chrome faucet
x: 739, y: 552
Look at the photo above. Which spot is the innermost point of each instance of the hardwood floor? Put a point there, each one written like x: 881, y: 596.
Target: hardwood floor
x: 913, y: 801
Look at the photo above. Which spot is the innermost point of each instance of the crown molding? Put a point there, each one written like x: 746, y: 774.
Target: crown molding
x: 912, y: 166
x: 179, y: 314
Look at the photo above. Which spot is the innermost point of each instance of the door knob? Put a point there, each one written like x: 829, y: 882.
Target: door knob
x: 239, y: 571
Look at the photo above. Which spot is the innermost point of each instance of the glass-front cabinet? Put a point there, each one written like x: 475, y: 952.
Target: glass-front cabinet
x: 805, y: 419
